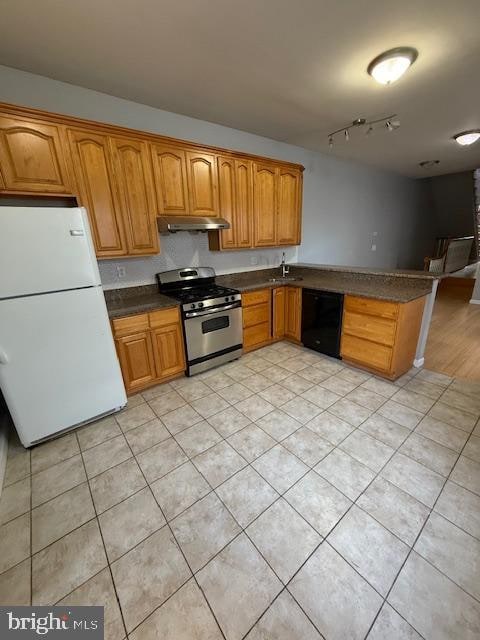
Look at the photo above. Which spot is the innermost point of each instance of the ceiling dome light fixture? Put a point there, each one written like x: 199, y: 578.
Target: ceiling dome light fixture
x: 390, y: 65
x: 467, y: 137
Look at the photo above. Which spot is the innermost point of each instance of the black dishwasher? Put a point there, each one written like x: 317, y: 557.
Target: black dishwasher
x: 322, y: 321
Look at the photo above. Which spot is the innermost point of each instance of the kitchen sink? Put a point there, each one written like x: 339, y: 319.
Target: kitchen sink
x: 285, y: 279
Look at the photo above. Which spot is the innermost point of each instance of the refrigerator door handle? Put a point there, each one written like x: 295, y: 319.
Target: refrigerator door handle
x: 3, y: 357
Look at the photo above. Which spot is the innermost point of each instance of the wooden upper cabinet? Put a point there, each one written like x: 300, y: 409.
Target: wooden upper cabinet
x: 289, y: 201
x: 226, y: 172
x: 202, y: 183
x: 95, y: 179
x: 133, y: 177
x: 32, y: 157
x: 243, y: 204
x: 170, y: 171
x: 264, y: 204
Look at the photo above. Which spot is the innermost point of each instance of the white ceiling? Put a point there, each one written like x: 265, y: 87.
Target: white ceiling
x: 292, y: 71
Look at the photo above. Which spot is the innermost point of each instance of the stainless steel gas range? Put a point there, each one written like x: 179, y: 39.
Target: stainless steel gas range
x: 211, y: 315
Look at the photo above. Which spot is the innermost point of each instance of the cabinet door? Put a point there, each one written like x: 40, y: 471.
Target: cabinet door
x: 226, y: 173
x: 168, y: 350
x: 279, y: 312
x: 202, y: 183
x: 136, y: 360
x: 264, y: 204
x: 293, y: 313
x: 243, y: 203
x: 170, y: 171
x: 133, y: 177
x: 94, y: 172
x: 32, y: 156
x: 288, y: 219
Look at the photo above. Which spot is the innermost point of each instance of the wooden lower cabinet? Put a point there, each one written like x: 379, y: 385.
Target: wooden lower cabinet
x: 168, y: 350
x: 278, y: 308
x: 135, y: 353
x: 381, y: 336
x: 257, y: 318
x: 293, y: 313
x: 149, y: 347
x: 270, y: 315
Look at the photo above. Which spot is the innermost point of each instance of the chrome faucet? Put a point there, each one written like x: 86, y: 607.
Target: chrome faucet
x: 285, y: 267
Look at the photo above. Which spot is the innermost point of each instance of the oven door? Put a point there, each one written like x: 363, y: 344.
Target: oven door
x: 213, y: 331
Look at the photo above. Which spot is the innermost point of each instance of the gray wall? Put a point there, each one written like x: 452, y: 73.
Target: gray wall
x: 344, y: 202
x: 349, y: 203
x: 451, y: 200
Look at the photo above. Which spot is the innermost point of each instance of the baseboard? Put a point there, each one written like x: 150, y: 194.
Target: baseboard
x: 419, y: 363
x: 472, y: 301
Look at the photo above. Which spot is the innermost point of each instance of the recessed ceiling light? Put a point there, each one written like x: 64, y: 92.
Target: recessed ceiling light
x: 467, y: 137
x: 392, y: 64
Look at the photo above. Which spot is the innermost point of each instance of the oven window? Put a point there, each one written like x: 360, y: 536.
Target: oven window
x: 215, y: 324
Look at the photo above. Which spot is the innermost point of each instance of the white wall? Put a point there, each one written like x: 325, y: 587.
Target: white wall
x: 343, y: 202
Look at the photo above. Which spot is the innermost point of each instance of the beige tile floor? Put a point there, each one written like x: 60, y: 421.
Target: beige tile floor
x: 282, y: 497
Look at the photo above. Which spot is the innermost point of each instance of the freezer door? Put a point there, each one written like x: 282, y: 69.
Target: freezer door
x: 45, y: 249
x: 58, y: 365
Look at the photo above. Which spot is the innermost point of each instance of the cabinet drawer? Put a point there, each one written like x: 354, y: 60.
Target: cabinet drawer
x: 256, y: 315
x: 372, y: 307
x: 130, y: 324
x: 256, y: 335
x: 164, y: 317
x: 381, y: 330
x: 366, y: 353
x: 255, y: 297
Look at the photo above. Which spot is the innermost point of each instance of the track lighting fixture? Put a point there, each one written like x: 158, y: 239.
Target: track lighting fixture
x: 390, y: 123
x: 428, y: 164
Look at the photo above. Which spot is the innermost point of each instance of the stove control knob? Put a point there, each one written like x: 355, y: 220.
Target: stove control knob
x: 227, y: 299
x: 200, y: 304
x: 192, y: 306
x: 232, y: 298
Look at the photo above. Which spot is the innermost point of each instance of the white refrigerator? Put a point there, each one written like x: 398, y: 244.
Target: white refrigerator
x: 58, y: 365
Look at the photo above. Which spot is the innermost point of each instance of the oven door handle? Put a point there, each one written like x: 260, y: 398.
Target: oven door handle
x: 208, y: 312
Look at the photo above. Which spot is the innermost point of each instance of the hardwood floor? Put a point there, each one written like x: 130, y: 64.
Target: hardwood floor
x: 453, y: 345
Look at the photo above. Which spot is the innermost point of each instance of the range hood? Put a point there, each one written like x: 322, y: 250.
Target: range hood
x: 172, y: 224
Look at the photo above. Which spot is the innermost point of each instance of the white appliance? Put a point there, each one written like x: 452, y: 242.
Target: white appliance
x: 58, y: 365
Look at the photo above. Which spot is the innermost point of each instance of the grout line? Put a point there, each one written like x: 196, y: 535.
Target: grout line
x: 281, y: 495
x: 167, y: 524
x: 412, y: 550
x: 103, y: 542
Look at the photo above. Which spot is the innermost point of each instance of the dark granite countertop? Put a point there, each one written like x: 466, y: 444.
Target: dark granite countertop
x: 133, y: 300
x: 395, y: 286
x: 391, y: 286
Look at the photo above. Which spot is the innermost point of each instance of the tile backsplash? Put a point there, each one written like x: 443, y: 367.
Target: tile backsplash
x: 185, y: 249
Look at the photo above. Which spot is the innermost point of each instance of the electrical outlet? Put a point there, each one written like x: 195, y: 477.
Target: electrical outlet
x: 121, y: 271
